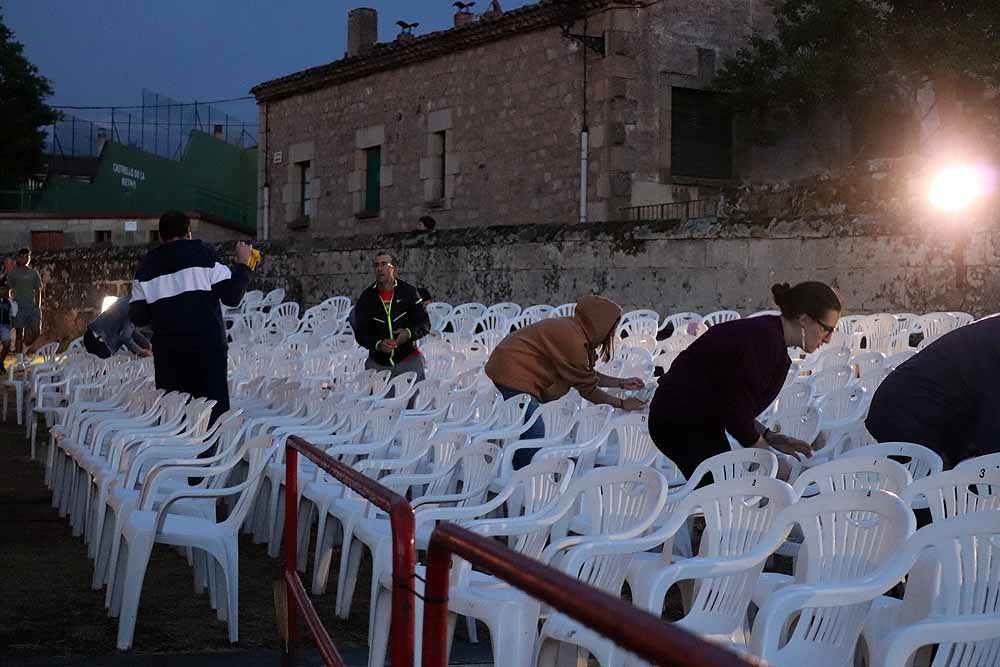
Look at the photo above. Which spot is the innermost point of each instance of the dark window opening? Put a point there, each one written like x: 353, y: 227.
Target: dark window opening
x: 304, y: 178
x: 701, y: 135
x: 373, y: 179
x: 102, y: 237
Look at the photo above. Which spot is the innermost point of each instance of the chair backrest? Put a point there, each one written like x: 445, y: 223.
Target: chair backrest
x: 506, y: 310
x: 955, y: 492
x: 491, y: 322
x: 635, y: 445
x: 894, y: 361
x: 920, y: 461
x: 794, y: 398
x: 842, y: 406
x: 340, y: 306
x: 523, y: 320
x: 559, y: 417
x: 761, y: 313
x: 803, y: 425
x: 679, y: 322
x: 564, y: 310
x: 535, y: 489
x: 463, y: 318
x: 537, y: 312
x: 617, y: 501
x: 829, y: 379
x: 979, y: 462
x: 961, y: 319
x: 853, y: 473
x: 868, y: 362
x: 623, y: 500
x: 438, y: 312
x: 643, y: 313
x: 737, y: 464
x: 719, y: 316
x: 639, y: 331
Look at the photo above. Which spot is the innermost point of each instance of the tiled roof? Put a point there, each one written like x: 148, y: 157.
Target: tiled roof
x: 391, y: 55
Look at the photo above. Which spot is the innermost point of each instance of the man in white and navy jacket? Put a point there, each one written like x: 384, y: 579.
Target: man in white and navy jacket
x: 177, y: 290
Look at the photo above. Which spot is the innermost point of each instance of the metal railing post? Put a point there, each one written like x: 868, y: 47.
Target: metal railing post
x: 291, y: 548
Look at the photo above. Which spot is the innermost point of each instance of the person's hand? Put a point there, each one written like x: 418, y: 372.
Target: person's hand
x: 402, y: 336
x: 243, y: 251
x: 631, y: 404
x: 145, y: 352
x: 633, y: 384
x: 387, y: 345
x: 789, y: 445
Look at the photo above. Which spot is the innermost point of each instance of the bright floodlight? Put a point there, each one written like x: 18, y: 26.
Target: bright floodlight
x: 108, y: 302
x: 957, y: 187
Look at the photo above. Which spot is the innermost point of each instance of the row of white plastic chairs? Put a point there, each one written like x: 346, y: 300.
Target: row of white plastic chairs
x: 381, y: 420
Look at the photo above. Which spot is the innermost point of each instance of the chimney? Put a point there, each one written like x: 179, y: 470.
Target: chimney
x: 362, y: 30
x: 463, y: 17
x: 218, y: 132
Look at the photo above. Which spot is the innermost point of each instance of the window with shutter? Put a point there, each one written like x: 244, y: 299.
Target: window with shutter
x: 701, y: 135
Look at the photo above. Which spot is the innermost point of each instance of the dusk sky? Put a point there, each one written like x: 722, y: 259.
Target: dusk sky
x: 104, y: 52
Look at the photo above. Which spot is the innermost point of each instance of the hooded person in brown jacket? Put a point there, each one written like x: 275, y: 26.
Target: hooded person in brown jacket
x: 546, y: 359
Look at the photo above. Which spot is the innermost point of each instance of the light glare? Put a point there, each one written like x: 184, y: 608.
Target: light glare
x: 957, y: 187
x: 108, y: 302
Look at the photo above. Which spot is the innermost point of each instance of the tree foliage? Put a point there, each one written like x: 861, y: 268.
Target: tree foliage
x: 23, y: 112
x: 865, y: 61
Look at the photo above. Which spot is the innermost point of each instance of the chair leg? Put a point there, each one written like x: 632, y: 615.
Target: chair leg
x: 135, y: 572
x: 325, y: 534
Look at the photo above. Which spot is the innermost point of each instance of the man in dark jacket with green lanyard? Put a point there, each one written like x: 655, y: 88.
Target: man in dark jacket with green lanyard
x: 388, y: 320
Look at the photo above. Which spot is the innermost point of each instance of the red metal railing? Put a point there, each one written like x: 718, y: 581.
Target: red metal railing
x: 633, y: 629
x: 403, y: 557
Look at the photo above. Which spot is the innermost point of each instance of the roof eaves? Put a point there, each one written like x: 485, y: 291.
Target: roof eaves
x: 391, y: 55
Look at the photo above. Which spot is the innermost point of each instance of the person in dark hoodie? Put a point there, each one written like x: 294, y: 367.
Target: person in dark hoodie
x: 947, y: 397
x: 732, y: 372
x: 112, y: 330
x: 547, y: 358
x: 177, y: 289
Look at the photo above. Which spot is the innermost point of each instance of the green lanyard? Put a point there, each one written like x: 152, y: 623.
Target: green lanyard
x: 388, y: 320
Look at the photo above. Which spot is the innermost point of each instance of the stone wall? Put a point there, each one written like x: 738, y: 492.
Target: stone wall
x: 81, y: 230
x: 670, y: 267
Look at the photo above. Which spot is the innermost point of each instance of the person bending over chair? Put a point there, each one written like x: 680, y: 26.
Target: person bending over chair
x: 547, y: 358
x: 729, y: 374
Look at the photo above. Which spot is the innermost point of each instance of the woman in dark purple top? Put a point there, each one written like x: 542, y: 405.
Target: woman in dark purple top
x: 732, y: 372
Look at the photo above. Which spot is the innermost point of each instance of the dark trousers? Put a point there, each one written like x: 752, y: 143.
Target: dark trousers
x: 198, y: 370
x: 686, y: 444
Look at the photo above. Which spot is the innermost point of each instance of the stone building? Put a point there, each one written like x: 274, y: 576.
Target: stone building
x: 506, y: 117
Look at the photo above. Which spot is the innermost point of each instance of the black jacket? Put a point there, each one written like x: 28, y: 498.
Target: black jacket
x: 372, y: 325
x: 177, y: 289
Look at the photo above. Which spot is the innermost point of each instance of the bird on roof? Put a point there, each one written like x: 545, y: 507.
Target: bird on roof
x: 406, y: 26
x: 462, y: 6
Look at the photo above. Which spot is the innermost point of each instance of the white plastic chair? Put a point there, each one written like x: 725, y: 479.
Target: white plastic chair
x: 957, y: 562
x: 217, y: 539
x: 505, y: 311
x: 719, y: 316
x: 737, y: 513
x: 847, y: 537
x: 538, y: 312
x: 680, y: 322
x: 622, y: 503
x: 918, y: 460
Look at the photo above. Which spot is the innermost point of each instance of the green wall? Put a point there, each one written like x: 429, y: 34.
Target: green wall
x: 212, y: 177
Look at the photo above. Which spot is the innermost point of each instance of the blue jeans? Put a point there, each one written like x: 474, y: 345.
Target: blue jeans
x: 522, y: 457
